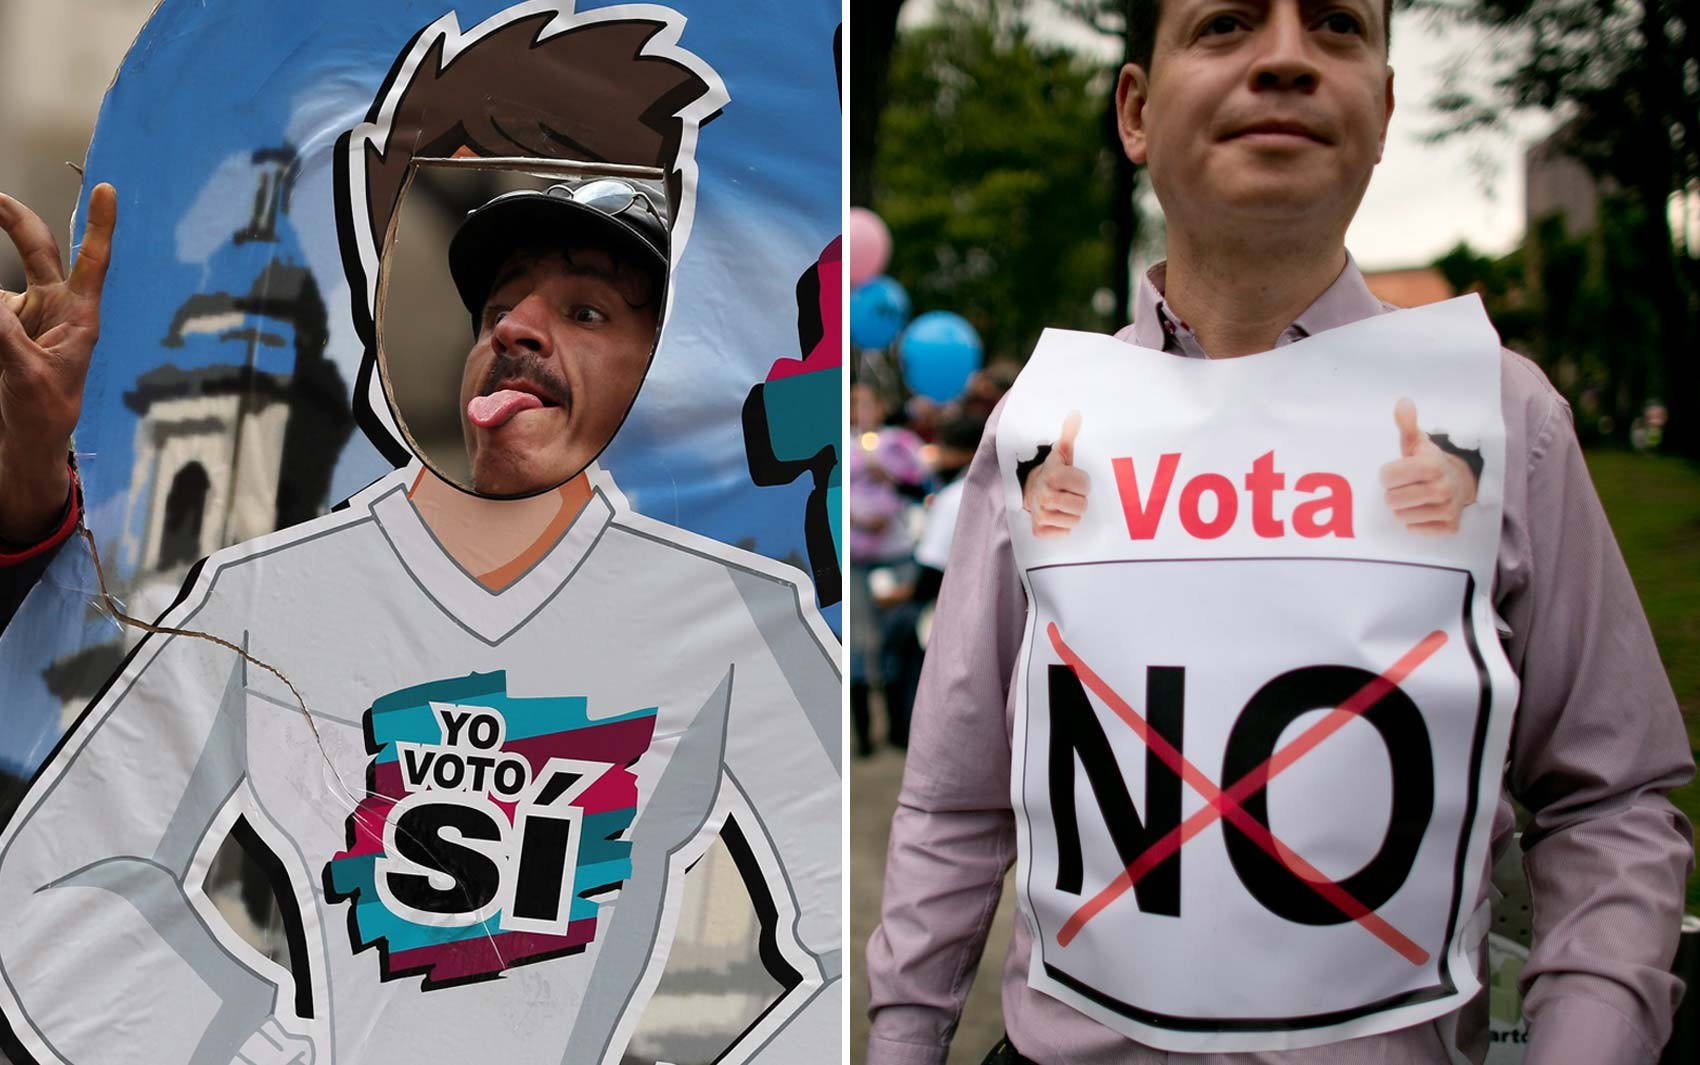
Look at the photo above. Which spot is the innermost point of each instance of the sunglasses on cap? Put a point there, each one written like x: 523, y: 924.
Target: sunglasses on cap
x: 611, y: 196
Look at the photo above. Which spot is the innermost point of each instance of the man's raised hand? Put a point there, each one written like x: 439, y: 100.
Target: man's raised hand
x: 1055, y: 493
x: 1426, y: 488
x: 47, y: 333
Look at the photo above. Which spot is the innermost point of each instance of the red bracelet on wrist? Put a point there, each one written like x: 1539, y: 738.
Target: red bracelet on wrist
x: 61, y: 533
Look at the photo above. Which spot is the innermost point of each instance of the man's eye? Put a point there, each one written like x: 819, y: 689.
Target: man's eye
x: 588, y: 314
x: 1342, y: 22
x: 1221, y: 24
x: 492, y: 315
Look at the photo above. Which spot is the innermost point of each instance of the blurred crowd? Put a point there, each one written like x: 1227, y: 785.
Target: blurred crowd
x: 908, y: 457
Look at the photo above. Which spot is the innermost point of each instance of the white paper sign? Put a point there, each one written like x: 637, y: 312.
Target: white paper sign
x: 1259, y: 721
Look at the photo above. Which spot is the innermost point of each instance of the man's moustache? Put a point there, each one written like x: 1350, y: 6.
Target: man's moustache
x: 531, y: 369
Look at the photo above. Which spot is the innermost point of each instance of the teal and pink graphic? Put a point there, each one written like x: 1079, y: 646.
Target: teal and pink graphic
x: 791, y: 423
x: 491, y: 824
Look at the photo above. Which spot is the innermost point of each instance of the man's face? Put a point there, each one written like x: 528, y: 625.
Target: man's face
x: 867, y: 411
x: 1260, y: 111
x: 563, y: 345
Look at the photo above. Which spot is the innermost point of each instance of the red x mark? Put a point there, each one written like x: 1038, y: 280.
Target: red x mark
x: 1227, y: 803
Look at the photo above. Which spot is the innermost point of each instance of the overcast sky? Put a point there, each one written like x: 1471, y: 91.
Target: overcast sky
x: 1424, y: 198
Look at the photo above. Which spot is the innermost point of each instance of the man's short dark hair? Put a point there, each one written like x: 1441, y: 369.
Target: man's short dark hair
x: 1142, y: 29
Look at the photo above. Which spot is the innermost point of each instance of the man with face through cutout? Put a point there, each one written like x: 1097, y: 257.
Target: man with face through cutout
x: 526, y: 717
x: 565, y: 288
x: 1260, y: 124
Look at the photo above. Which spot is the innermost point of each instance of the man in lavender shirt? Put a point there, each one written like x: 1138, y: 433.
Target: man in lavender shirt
x: 1260, y: 124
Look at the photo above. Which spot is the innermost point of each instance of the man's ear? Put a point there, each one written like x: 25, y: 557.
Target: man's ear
x: 1132, y: 89
x: 1386, y: 117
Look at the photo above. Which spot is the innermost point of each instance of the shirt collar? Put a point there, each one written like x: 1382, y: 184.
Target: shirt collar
x: 492, y: 615
x: 1347, y: 300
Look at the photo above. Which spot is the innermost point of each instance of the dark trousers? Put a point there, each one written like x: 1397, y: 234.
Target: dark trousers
x: 1006, y: 1054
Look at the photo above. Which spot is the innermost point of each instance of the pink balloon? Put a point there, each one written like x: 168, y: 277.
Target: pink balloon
x: 870, y: 245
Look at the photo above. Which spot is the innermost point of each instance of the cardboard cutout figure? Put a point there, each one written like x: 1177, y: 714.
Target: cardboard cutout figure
x: 473, y: 744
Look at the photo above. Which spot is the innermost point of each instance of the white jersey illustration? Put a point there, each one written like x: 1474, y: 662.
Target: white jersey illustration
x: 487, y: 852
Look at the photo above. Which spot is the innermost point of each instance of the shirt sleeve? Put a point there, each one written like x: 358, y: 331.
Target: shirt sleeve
x: 953, y: 835
x: 17, y: 579
x: 22, y: 565
x: 1597, y: 746
x: 933, y: 549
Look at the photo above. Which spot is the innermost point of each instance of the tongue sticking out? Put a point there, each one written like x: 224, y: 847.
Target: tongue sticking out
x: 487, y: 412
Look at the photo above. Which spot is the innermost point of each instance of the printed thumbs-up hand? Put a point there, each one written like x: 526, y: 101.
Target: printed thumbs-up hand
x: 1427, y: 488
x: 1055, y: 492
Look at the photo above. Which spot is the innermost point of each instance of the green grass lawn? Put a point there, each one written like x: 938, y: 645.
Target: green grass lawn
x: 1654, y: 506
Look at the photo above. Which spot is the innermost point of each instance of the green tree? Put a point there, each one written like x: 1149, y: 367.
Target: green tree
x: 993, y: 174
x: 1625, y: 75
x: 1108, y: 18
x: 873, y: 34
x: 1500, y: 283
x: 1560, y: 298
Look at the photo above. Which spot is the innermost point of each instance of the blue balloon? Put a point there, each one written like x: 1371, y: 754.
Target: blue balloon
x: 940, y: 349
x: 877, y: 312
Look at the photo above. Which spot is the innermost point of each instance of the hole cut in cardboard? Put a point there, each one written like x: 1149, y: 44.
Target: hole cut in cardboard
x: 588, y: 371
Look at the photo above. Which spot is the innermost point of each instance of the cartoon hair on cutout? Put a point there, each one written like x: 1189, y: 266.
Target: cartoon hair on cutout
x: 537, y: 81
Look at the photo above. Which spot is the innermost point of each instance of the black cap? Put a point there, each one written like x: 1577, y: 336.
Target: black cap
x: 610, y: 210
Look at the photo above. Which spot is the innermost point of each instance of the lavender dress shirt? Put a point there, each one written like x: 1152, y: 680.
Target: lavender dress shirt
x: 1597, y: 744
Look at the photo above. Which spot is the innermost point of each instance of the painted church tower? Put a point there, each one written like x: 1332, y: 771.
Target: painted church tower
x: 238, y: 434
